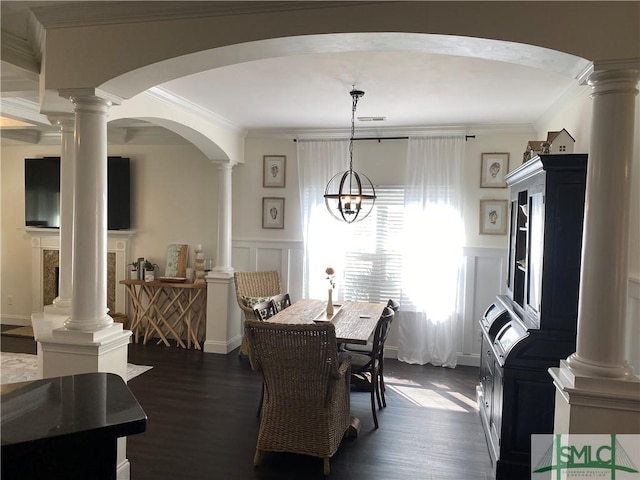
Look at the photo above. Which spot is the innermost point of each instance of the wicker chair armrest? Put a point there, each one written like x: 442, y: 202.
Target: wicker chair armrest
x: 344, y: 368
x: 244, y: 308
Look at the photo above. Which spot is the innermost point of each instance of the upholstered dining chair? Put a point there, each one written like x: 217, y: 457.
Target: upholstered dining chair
x: 306, y: 388
x: 366, y: 367
x: 252, y: 288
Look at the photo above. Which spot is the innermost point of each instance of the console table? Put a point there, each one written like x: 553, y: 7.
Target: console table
x: 66, y: 427
x: 168, y: 311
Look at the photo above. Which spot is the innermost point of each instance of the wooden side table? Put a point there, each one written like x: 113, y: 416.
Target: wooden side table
x: 169, y: 311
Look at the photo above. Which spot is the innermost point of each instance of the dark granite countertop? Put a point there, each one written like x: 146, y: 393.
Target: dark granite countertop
x: 90, y: 403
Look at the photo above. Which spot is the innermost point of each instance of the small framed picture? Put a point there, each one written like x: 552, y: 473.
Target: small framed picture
x: 493, y: 169
x: 493, y: 217
x: 274, y: 171
x: 272, y: 212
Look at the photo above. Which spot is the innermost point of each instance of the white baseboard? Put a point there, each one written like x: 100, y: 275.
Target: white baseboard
x: 22, y: 320
x: 211, y: 346
x: 469, y: 360
x: 464, y: 359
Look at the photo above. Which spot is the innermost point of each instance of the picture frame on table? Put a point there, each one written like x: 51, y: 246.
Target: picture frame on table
x: 494, y: 217
x: 274, y: 173
x: 493, y: 169
x: 273, y: 212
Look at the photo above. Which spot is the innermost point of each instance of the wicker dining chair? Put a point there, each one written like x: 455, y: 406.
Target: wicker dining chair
x: 254, y: 287
x: 366, y: 367
x: 306, y: 388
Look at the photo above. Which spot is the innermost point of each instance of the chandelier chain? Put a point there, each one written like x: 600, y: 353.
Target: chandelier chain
x: 355, y: 98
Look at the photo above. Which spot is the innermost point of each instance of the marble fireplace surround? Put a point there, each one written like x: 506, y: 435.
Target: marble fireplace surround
x: 45, y: 245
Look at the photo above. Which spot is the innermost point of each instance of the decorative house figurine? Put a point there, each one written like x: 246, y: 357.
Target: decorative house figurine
x: 560, y: 142
x: 556, y: 143
x: 534, y: 147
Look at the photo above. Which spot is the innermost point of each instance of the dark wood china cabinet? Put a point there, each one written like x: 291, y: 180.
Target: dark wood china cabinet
x: 533, y: 326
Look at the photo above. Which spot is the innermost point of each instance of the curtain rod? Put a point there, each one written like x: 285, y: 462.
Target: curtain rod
x: 379, y: 139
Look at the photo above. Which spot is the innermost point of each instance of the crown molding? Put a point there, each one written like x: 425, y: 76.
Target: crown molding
x: 382, y: 132
x: 24, y: 110
x: 29, y: 136
x: 73, y: 14
x: 164, y: 95
x: 18, y: 53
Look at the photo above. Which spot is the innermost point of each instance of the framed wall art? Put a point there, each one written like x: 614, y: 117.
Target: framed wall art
x: 272, y: 212
x: 493, y: 217
x: 274, y: 171
x: 493, y: 169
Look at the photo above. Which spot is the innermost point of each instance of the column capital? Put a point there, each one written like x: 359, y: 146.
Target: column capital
x: 222, y: 166
x: 614, y: 81
x: 611, y: 68
x: 96, y: 95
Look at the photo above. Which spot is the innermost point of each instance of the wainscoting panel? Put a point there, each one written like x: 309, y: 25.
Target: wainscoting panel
x: 285, y: 256
x: 485, y: 277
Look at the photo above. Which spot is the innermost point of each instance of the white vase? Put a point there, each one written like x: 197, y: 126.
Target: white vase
x: 134, y: 274
x: 330, y: 302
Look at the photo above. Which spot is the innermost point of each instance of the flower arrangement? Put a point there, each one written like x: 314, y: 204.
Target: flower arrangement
x: 331, y: 277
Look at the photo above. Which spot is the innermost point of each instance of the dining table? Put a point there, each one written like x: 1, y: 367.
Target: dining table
x: 354, y: 321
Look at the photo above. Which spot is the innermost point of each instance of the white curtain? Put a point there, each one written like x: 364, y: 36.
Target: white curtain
x: 323, y: 235
x: 432, y: 247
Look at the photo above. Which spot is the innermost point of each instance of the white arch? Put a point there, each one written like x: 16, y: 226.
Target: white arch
x: 136, y: 81
x: 217, y: 140
x: 222, y: 141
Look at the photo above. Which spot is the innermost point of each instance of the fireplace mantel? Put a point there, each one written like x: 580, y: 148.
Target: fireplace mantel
x: 118, y: 243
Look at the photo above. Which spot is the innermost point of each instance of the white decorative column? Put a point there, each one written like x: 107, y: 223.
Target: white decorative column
x: 89, y: 313
x: 89, y: 341
x: 223, y: 332
x: 223, y: 262
x: 54, y: 315
x: 62, y: 303
x: 596, y: 389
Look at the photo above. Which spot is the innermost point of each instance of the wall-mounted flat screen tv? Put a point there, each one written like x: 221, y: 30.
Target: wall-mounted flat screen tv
x: 42, y: 193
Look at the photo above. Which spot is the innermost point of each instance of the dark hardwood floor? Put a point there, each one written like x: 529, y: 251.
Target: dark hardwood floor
x: 202, y: 423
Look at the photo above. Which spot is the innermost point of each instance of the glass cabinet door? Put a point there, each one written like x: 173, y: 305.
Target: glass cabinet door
x: 536, y: 240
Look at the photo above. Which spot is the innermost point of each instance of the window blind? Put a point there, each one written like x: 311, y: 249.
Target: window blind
x: 373, y: 265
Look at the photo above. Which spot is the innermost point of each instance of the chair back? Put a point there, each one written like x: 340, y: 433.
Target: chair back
x: 282, y: 301
x: 394, y: 305
x: 264, y: 310
x: 297, y: 361
x: 381, y: 333
x: 253, y: 285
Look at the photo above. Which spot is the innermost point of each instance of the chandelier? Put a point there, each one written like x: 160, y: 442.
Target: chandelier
x: 350, y: 196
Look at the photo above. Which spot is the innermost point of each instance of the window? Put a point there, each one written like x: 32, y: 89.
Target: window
x: 373, y: 264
